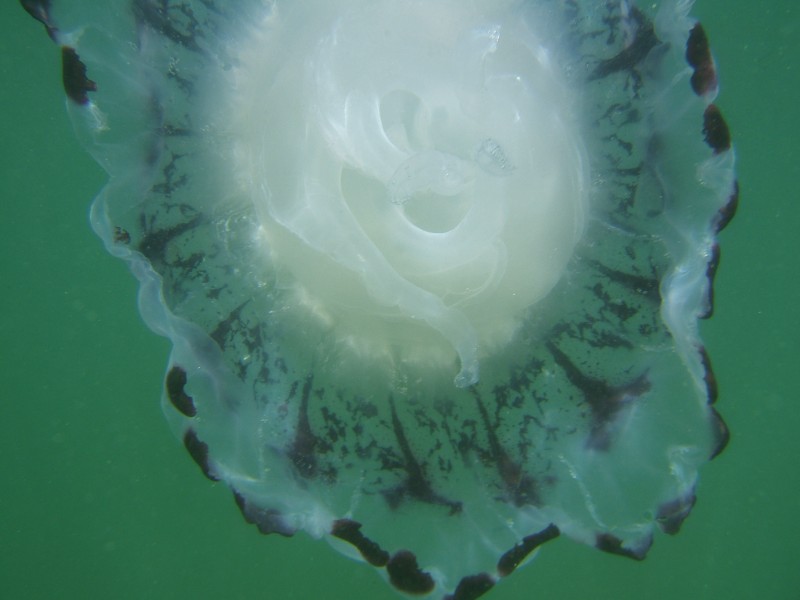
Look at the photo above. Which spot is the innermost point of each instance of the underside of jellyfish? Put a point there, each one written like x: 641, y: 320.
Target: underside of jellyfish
x: 432, y: 271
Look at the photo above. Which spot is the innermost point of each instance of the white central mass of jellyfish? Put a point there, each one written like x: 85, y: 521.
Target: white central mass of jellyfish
x: 415, y: 171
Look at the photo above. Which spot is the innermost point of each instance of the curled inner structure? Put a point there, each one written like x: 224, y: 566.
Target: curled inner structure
x: 417, y: 170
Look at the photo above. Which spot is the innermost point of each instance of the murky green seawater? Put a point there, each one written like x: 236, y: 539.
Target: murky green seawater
x: 98, y: 500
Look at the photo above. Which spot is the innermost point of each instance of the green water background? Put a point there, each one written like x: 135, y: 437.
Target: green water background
x: 98, y: 500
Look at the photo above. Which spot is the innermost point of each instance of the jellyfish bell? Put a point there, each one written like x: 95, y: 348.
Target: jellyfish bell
x: 431, y: 270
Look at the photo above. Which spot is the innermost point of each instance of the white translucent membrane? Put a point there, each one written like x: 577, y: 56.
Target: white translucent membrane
x: 416, y: 174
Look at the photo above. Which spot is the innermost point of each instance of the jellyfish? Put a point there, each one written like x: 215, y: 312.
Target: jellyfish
x: 432, y: 271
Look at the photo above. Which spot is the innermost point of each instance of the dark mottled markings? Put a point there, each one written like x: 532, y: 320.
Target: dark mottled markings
x: 350, y: 531
x: 198, y: 450
x: 604, y: 400
x: 634, y: 52
x: 472, y: 587
x: 306, y: 445
x: 715, y: 130
x: 174, y: 178
x: 301, y: 452
x: 648, y: 287
x: 158, y: 18
x: 266, y: 520
x: 613, y: 545
x: 416, y: 483
x: 406, y: 576
x: 154, y: 243
x: 521, y: 488
x: 175, y: 382
x: 671, y: 515
x: 698, y: 55
x: 721, y: 433
x: 514, y: 557
x: 224, y: 327
x: 73, y: 72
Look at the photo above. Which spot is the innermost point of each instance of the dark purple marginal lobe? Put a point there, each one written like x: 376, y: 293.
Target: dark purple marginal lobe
x: 711, y: 272
x: 73, y: 72
x: 715, y: 130
x: 613, y: 545
x: 406, y: 576
x: 728, y: 211
x: 174, y: 384
x: 472, y: 587
x: 721, y: 432
x: 40, y: 10
x: 514, y: 557
x: 350, y: 531
x: 698, y: 55
x: 709, y: 377
x: 76, y: 84
x: 671, y: 515
x: 198, y: 450
x: 266, y: 520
